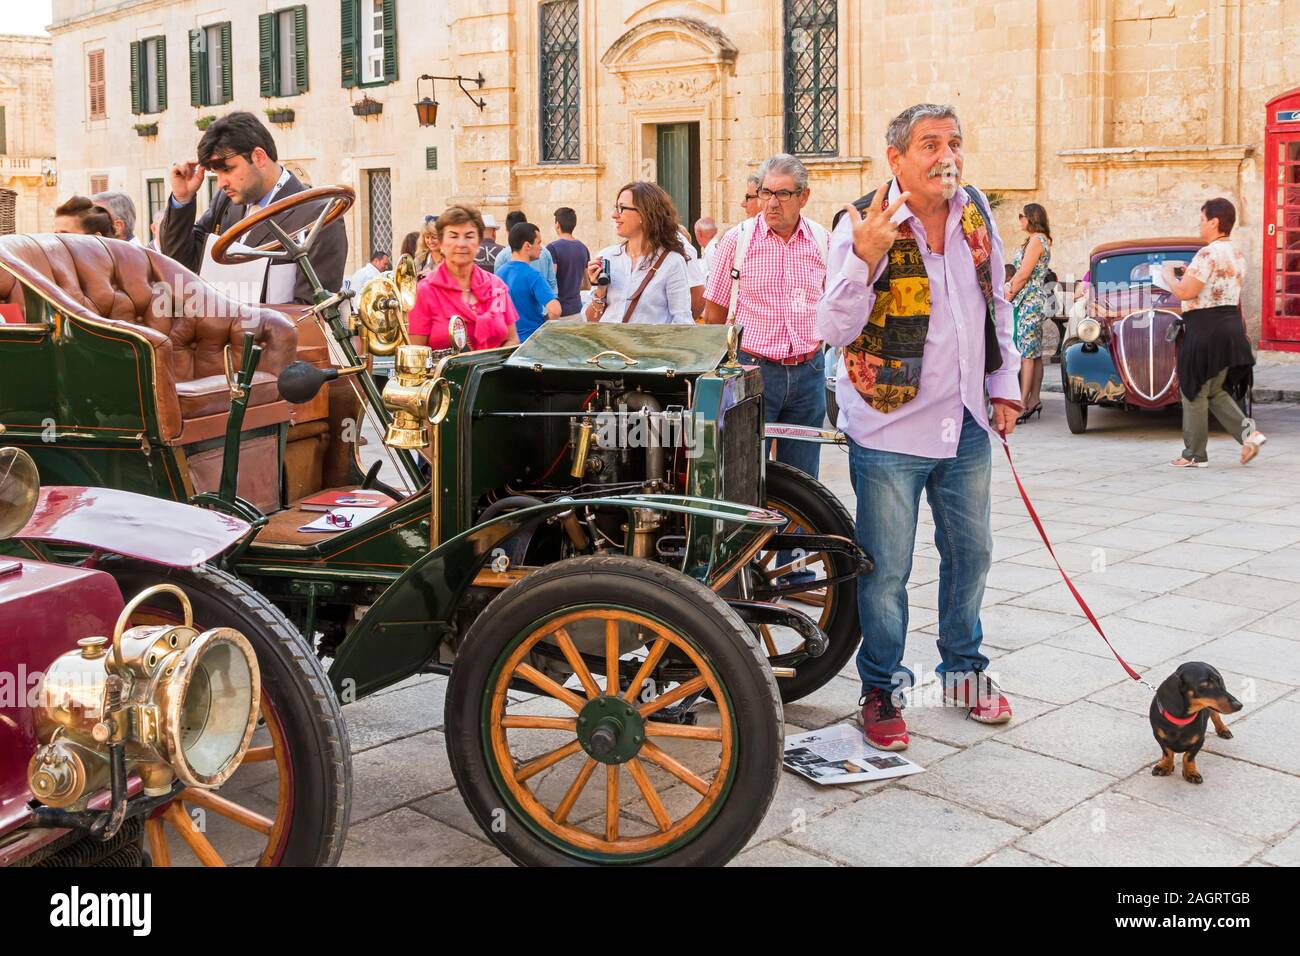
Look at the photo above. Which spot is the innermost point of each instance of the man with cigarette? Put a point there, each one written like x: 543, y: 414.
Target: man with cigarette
x: 914, y: 300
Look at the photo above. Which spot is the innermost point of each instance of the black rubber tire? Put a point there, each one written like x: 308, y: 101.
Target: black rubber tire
x: 809, y: 497
x: 681, y: 603
x: 1076, y: 413
x: 832, y: 408
x: 293, y: 677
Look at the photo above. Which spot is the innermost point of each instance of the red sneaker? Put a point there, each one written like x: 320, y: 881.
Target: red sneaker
x: 982, y: 698
x: 882, y: 721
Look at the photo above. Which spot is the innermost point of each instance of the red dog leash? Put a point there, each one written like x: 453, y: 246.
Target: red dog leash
x: 1042, y: 533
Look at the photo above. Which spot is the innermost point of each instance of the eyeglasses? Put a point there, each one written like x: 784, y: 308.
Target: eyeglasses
x: 621, y: 210
x: 750, y: 197
x: 781, y: 195
x: 338, y: 520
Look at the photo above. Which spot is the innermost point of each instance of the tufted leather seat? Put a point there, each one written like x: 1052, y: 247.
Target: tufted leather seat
x: 187, y: 322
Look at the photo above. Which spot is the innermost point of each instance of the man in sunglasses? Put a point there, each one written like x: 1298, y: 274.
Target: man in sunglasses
x: 768, y: 274
x: 750, y: 203
x: 242, y: 154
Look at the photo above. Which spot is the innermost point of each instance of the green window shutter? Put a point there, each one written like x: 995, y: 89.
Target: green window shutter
x: 196, y: 67
x: 266, y: 53
x: 390, y: 40
x: 348, y: 44
x: 300, y: 49
x: 137, y: 88
x: 227, y: 76
x: 431, y: 157
x: 162, y: 74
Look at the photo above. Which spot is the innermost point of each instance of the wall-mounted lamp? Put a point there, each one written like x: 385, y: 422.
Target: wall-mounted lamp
x: 426, y: 108
x: 49, y: 175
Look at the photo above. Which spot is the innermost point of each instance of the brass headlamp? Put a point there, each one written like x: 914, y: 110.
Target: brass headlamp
x: 382, y: 307
x: 417, y: 394
x: 181, y: 704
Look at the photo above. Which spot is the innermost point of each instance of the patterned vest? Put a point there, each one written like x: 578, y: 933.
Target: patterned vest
x: 884, y: 362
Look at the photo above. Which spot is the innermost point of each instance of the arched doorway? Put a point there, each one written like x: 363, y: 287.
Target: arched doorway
x: 1280, y: 325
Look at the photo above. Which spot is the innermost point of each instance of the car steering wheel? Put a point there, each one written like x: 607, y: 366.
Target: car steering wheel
x: 227, y: 251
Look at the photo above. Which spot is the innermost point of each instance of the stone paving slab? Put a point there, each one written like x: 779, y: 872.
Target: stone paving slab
x: 1140, y: 643
x: 897, y: 827
x: 1030, y: 788
x: 1100, y: 738
x: 1102, y: 598
x: 1113, y: 829
x: 1269, y: 813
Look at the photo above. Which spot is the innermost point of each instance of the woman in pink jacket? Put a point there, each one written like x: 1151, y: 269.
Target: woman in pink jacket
x: 458, y: 287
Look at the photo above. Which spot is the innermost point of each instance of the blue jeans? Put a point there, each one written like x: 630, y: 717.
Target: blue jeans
x: 888, y: 486
x: 794, y: 395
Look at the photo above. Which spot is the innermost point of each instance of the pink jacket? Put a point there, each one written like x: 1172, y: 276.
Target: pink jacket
x: 438, y: 298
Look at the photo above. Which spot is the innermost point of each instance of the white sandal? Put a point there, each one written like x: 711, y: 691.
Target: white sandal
x: 1250, y: 447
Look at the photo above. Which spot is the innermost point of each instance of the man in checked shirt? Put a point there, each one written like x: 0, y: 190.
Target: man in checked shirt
x: 782, y: 276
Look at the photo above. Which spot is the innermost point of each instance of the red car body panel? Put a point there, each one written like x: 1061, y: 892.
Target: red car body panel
x: 162, y: 532
x: 44, y: 610
x: 1135, y: 322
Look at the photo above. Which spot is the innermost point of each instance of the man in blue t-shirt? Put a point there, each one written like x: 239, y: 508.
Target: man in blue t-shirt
x: 533, y: 298
x: 571, y: 259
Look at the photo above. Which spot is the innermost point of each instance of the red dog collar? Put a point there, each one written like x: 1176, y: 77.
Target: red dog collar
x: 1177, y: 721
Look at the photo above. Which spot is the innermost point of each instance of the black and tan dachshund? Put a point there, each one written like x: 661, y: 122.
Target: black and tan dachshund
x: 1179, y: 711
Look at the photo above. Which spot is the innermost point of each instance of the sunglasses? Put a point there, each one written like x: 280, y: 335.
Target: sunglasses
x: 750, y: 197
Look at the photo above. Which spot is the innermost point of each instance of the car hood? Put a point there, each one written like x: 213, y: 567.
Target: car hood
x: 651, y: 349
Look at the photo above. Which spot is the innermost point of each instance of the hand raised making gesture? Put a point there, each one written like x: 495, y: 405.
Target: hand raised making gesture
x: 874, y: 233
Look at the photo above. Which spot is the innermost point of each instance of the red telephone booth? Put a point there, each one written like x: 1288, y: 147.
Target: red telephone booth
x: 1281, y: 298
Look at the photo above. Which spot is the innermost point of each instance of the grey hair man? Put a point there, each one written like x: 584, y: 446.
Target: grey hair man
x: 779, y: 257
x: 750, y: 202
x: 123, y: 211
x: 706, y: 234
x: 914, y: 298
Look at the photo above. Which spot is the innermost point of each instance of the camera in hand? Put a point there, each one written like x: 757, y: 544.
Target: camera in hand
x: 602, y: 277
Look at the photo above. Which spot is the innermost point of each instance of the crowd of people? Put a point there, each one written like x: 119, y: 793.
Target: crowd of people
x: 939, y: 336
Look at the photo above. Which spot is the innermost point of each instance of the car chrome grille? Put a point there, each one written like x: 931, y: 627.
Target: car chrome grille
x: 742, y: 451
x: 1145, y: 358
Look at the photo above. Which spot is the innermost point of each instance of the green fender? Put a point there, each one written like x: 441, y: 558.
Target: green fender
x: 403, y: 629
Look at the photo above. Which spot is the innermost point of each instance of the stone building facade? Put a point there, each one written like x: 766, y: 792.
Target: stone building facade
x: 27, y: 164
x: 1119, y: 116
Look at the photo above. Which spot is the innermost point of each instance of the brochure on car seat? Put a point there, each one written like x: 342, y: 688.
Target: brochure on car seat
x: 357, y: 498
x: 342, y: 519
x: 840, y: 754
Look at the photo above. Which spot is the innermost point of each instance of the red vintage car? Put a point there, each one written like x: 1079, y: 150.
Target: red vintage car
x: 122, y: 728
x: 1120, y: 354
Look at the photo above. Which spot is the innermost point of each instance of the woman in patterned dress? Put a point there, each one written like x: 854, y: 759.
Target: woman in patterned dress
x: 1030, y: 297
x: 1214, y: 355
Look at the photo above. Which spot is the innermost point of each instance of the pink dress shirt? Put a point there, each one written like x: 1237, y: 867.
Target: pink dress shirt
x: 780, y: 283
x: 952, y: 371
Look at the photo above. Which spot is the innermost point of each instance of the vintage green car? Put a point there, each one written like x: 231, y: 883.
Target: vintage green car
x: 584, y: 531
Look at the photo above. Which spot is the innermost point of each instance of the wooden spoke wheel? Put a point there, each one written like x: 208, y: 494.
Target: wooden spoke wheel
x: 812, y: 509
x: 577, y: 725
x: 287, y: 803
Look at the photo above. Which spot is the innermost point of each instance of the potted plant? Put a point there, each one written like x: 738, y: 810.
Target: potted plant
x: 282, y: 115
x: 146, y: 129
x: 203, y: 122
x: 367, y: 107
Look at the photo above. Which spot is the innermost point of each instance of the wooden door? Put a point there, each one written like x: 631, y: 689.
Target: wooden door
x: 678, y: 168
x: 1280, y: 326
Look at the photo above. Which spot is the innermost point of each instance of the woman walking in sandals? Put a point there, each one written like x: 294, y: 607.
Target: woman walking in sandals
x: 1214, y: 356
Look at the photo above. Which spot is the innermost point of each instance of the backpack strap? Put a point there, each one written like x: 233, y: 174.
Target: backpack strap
x: 745, y: 232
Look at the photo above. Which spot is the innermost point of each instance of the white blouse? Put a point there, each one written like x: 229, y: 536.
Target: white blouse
x: 1223, y: 270
x: 667, y: 298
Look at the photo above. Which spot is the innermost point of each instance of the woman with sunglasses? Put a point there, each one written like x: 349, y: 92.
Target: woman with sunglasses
x: 648, y: 276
